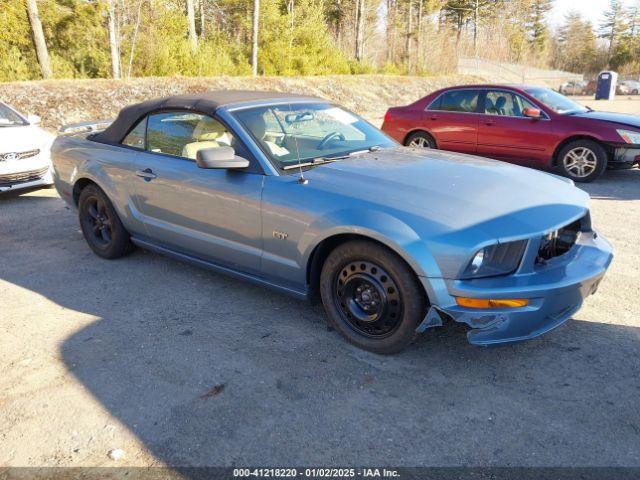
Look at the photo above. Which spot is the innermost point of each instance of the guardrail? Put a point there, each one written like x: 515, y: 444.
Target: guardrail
x: 513, y: 72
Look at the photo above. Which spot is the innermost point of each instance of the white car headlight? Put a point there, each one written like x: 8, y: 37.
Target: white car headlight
x: 629, y: 136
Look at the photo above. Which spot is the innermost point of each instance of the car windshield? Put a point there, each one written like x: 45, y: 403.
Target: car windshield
x: 303, y: 132
x: 555, y: 101
x: 9, y: 118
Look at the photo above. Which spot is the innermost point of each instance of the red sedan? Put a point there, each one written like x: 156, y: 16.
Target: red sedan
x: 530, y: 126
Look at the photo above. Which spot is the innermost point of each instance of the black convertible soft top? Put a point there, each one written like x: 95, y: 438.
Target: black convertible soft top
x: 206, y: 102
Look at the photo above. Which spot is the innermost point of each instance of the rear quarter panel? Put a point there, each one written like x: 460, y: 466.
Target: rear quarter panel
x: 402, y: 121
x: 76, y: 158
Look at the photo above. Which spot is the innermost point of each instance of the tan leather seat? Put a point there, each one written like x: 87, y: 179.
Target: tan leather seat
x: 258, y: 127
x: 208, y: 134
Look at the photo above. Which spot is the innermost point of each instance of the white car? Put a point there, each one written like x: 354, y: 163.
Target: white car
x: 630, y: 87
x: 25, y: 151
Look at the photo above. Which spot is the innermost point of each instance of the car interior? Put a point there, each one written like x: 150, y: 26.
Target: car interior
x: 505, y: 104
x: 208, y: 133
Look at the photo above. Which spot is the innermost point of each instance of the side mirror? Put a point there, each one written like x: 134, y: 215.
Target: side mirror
x: 220, y: 157
x: 34, y: 119
x: 534, y: 113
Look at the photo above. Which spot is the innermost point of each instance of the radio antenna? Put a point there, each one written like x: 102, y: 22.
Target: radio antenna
x: 301, y: 180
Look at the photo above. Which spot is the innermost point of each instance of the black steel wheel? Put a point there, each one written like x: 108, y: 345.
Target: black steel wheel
x: 100, y: 224
x: 369, y: 299
x: 371, y: 296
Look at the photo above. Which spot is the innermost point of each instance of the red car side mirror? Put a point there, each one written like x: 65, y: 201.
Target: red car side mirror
x: 532, y: 112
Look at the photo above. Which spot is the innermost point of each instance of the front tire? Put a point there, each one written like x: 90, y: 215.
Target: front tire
x: 371, y: 297
x: 582, y: 160
x: 420, y: 140
x: 101, y: 226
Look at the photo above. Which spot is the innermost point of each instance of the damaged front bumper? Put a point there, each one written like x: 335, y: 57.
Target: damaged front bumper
x: 627, y: 154
x: 555, y: 291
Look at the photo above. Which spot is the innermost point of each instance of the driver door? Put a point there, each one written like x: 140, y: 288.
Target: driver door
x: 505, y: 133
x: 213, y: 214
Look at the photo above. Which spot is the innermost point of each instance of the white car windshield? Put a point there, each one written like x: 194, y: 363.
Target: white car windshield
x: 555, y: 101
x: 9, y: 118
x: 302, y: 132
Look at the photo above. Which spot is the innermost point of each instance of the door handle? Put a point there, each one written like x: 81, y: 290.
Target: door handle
x: 434, y: 117
x: 489, y: 122
x: 147, y: 174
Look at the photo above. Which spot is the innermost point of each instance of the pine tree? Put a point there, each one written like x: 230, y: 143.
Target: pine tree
x: 576, y: 49
x: 614, y: 25
x: 538, y: 22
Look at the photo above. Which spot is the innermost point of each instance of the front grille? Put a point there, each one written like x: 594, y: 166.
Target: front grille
x: 18, y: 155
x: 560, y: 241
x: 22, y: 177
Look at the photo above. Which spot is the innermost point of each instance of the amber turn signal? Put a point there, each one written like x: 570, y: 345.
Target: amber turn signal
x: 492, y: 302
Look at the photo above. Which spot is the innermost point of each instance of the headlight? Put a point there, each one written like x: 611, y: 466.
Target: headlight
x: 629, y: 136
x: 498, y: 259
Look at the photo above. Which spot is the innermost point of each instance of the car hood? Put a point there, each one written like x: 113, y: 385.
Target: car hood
x: 621, y: 118
x: 444, y: 195
x: 23, y: 138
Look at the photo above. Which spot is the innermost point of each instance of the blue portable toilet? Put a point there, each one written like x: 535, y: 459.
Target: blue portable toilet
x: 606, y: 87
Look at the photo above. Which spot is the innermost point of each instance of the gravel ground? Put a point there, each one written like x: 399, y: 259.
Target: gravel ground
x: 178, y: 366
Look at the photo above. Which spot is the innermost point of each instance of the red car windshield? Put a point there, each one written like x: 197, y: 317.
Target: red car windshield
x: 555, y: 101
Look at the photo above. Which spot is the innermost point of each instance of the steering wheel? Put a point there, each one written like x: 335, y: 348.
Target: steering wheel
x: 330, y: 137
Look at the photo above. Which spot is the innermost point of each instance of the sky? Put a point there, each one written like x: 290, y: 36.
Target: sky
x: 590, y: 9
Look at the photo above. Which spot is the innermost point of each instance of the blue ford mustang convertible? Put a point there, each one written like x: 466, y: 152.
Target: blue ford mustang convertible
x: 299, y: 194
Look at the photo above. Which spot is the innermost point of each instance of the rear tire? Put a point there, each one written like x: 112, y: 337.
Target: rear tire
x: 420, y: 140
x: 101, y: 226
x: 582, y: 160
x: 371, y: 297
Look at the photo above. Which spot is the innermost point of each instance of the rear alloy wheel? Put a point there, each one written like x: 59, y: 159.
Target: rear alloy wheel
x: 100, y: 224
x: 420, y: 140
x: 583, y: 160
x: 371, y: 297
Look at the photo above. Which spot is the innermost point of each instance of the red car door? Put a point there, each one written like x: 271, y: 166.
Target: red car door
x: 505, y: 133
x: 452, y: 120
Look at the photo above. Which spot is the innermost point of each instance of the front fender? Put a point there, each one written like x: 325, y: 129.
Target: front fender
x: 379, y: 226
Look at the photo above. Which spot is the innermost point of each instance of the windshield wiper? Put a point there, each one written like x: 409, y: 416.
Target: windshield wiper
x: 315, y: 161
x: 324, y: 160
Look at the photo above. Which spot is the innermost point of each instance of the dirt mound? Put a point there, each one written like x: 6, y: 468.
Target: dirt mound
x: 60, y: 102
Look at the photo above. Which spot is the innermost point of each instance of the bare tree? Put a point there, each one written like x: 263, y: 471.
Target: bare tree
x: 113, y: 40
x: 38, y: 39
x: 202, y: 19
x: 419, y: 35
x: 191, y: 20
x: 392, y: 13
x: 254, y: 39
x: 134, y: 38
x: 407, y: 47
x: 360, y: 30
